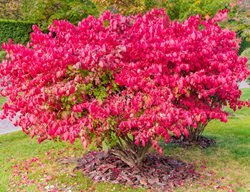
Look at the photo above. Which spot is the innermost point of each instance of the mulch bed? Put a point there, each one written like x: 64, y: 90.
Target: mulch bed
x: 202, y: 142
x: 157, y: 172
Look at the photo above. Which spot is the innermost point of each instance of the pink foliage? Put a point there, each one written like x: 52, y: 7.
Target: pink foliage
x: 153, y: 76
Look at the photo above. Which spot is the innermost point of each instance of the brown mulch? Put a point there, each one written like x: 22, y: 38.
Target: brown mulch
x: 156, y: 172
x: 203, y: 142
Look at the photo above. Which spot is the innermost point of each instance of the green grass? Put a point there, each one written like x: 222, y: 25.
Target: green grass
x: 227, y: 163
x: 16, y: 147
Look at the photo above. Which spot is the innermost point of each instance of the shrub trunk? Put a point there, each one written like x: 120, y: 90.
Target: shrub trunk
x: 129, y: 152
x: 195, y: 133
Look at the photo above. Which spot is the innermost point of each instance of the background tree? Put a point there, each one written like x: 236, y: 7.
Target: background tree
x: 43, y: 12
x: 239, y: 21
x: 10, y: 9
x: 176, y: 9
x: 125, y: 7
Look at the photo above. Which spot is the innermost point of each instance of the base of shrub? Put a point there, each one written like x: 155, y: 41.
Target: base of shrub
x: 203, y: 142
x: 156, y: 172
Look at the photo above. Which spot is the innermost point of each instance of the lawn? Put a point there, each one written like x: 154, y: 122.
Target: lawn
x: 26, y: 165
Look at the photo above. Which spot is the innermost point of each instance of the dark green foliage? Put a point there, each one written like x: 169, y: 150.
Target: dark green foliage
x: 18, y: 31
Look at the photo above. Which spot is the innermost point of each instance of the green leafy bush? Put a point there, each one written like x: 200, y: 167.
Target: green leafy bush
x: 18, y: 31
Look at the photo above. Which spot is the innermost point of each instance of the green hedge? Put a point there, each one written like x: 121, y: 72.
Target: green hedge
x: 18, y: 31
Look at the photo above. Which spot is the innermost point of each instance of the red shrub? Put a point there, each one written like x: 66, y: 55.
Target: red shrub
x: 115, y: 78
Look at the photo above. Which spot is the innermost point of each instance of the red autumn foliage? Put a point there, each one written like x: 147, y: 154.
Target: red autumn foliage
x: 138, y: 77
